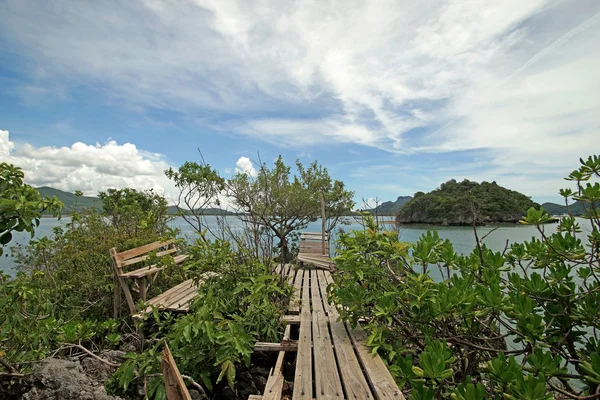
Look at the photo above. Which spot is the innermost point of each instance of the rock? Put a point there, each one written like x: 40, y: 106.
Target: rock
x: 56, y: 379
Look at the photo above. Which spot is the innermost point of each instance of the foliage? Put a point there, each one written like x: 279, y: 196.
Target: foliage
x: 462, y: 203
x: 21, y: 206
x: 64, y: 290
x: 285, y: 203
x: 521, y: 324
x: 232, y: 311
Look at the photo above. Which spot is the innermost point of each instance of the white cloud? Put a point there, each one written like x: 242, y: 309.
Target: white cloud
x: 516, y: 80
x: 245, y: 165
x: 6, y: 145
x: 89, y: 168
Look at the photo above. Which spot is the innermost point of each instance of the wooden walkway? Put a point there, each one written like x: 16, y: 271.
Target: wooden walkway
x: 331, y: 360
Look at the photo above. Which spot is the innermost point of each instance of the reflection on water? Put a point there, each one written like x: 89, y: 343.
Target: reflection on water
x: 461, y: 237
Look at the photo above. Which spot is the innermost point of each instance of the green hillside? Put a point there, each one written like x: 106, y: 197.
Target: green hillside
x: 558, y: 209
x: 71, y: 202
x: 390, y: 207
x: 456, y: 203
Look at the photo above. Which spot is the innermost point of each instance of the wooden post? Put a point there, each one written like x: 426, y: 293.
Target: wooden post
x: 323, y: 225
x: 118, y: 271
x: 143, y: 289
x: 174, y: 387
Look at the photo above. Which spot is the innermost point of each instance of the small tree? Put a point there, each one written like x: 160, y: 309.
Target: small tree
x: 285, y: 203
x: 21, y: 206
x: 199, y: 188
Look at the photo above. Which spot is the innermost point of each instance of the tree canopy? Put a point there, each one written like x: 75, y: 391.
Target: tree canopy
x: 21, y: 206
x: 285, y: 203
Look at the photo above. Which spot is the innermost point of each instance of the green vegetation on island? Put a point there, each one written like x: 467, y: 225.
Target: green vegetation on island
x: 462, y: 203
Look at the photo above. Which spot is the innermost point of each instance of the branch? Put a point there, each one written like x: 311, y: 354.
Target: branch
x: 6, y: 365
x: 195, y: 385
x: 80, y: 347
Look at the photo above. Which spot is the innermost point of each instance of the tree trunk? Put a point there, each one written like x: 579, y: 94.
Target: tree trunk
x: 286, y: 257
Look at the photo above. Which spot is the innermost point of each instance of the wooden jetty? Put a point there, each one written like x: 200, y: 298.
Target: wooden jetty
x: 331, y: 359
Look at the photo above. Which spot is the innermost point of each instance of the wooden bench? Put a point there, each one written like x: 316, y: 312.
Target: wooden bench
x: 174, y: 299
x: 312, y: 252
x: 331, y: 358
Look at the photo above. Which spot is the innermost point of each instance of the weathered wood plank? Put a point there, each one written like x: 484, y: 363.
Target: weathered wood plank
x: 327, y: 379
x: 136, y: 260
x: 278, y: 269
x: 353, y: 379
x: 295, y: 300
x: 142, y: 272
x: 138, y: 251
x: 174, y: 387
x: 303, y: 376
x: 288, y: 345
x: 274, y: 385
x: 292, y: 319
x: 377, y: 373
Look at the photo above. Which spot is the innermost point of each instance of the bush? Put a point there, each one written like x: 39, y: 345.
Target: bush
x: 520, y: 324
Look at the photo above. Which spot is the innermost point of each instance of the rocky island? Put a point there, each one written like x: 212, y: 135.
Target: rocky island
x: 459, y: 203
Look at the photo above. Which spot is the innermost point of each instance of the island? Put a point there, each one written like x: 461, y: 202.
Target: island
x: 466, y: 202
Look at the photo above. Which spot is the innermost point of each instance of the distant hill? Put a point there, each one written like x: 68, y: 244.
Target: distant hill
x: 209, y: 211
x: 71, y: 202
x: 557, y: 209
x: 390, y: 207
x: 453, y: 204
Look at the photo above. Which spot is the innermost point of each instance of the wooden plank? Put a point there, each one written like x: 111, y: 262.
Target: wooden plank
x: 274, y: 385
x: 181, y: 302
x: 288, y: 345
x: 295, y: 300
x: 303, y: 375
x: 136, y: 260
x: 292, y: 319
x: 140, y: 273
x: 353, y: 379
x: 255, y: 397
x: 377, y: 373
x: 138, y: 251
x: 327, y: 379
x: 313, y: 234
x: 278, y: 269
x: 117, y: 270
x: 174, y: 387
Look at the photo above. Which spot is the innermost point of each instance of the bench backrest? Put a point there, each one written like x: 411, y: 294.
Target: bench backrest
x: 311, y: 243
x: 140, y: 254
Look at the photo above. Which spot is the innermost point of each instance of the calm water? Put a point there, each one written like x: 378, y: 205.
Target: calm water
x: 461, y: 237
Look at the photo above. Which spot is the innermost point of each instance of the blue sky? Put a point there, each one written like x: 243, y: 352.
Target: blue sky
x: 392, y: 97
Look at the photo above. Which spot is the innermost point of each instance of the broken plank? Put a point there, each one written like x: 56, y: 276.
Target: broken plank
x: 274, y: 385
x: 286, y: 345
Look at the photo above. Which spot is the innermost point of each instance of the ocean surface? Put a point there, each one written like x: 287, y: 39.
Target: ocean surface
x: 461, y: 237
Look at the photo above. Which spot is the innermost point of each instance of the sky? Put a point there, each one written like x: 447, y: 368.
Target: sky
x: 393, y: 97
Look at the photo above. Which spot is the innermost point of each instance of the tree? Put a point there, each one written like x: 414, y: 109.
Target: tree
x: 21, y: 206
x: 199, y: 188
x: 130, y: 210
x: 285, y: 203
